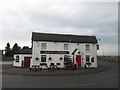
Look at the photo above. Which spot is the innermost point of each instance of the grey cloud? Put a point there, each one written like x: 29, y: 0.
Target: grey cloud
x: 98, y: 19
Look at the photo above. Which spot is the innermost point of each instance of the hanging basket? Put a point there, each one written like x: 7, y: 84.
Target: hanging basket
x: 61, y: 58
x: 37, y: 58
x: 50, y: 58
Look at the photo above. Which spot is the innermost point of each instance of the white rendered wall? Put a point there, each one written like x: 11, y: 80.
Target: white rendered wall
x: 21, y: 58
x: 59, y: 46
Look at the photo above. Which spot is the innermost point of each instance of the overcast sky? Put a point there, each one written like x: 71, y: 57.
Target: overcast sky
x: 19, y: 18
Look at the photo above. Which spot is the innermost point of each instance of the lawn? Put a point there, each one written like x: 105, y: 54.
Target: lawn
x: 114, y: 59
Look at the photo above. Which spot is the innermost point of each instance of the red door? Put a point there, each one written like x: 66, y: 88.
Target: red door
x: 78, y: 60
x: 27, y: 62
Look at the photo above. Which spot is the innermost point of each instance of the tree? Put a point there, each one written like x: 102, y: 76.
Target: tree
x: 8, y: 51
x: 25, y: 47
x: 16, y: 48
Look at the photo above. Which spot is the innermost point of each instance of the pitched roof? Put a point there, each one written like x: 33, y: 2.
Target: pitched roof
x: 25, y: 51
x: 63, y: 38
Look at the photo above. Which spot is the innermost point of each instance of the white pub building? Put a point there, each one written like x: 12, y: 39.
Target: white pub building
x: 56, y: 49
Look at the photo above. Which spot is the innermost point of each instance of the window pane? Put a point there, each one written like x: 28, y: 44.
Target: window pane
x: 92, y: 59
x: 43, y: 45
x: 97, y: 46
x: 66, y: 58
x: 65, y: 46
x: 88, y: 58
x: 43, y: 58
x: 87, y: 47
x: 17, y: 58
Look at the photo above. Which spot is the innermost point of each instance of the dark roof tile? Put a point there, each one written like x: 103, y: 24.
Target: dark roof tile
x: 26, y: 51
x: 63, y: 38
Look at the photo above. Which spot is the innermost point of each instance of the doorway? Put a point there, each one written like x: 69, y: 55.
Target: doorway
x: 27, y: 62
x: 78, y: 60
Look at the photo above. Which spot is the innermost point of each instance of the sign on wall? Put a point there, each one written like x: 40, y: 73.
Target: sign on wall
x: 54, y: 52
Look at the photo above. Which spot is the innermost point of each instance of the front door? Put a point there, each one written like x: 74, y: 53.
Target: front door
x: 78, y: 60
x: 27, y: 62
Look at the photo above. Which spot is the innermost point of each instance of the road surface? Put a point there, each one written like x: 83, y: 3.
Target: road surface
x: 106, y: 79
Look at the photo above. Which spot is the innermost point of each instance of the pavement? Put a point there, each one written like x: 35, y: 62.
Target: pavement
x: 9, y: 69
x: 102, y: 79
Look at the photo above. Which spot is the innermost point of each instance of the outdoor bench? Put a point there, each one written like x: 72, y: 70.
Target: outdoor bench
x: 35, y: 68
x: 53, y: 67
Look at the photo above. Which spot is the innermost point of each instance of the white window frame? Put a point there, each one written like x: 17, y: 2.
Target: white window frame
x: 92, y: 59
x: 43, y: 45
x: 87, y: 57
x: 65, y: 46
x: 43, y: 56
x: 87, y: 46
x: 17, y: 58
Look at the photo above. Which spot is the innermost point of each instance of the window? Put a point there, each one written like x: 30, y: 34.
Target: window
x: 66, y: 58
x: 92, y: 59
x: 87, y: 47
x: 65, y: 46
x: 43, y: 58
x: 17, y: 58
x: 97, y: 46
x: 43, y: 45
x: 87, y: 58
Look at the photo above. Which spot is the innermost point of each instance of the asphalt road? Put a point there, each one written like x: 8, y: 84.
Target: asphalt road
x: 106, y: 79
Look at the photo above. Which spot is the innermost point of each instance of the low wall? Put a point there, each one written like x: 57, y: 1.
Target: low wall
x: 4, y: 58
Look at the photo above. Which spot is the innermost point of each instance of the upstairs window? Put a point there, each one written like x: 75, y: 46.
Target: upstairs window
x: 65, y: 46
x: 97, y: 46
x: 43, y: 45
x: 88, y: 58
x: 87, y: 47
